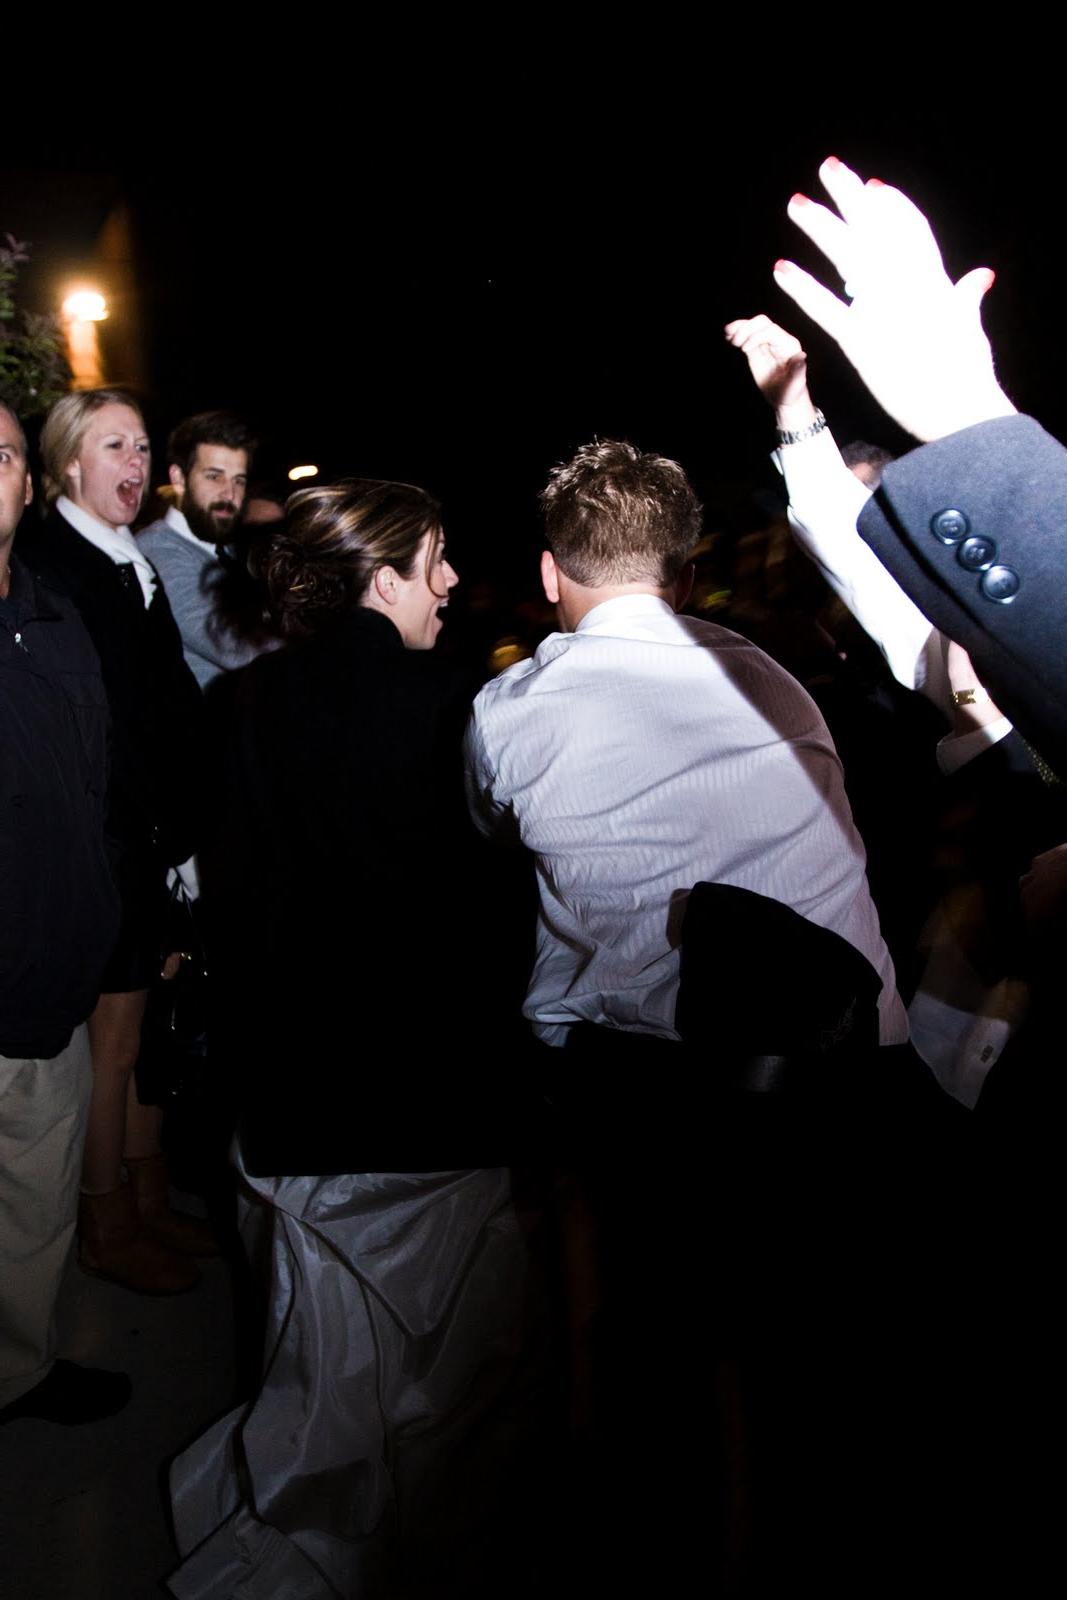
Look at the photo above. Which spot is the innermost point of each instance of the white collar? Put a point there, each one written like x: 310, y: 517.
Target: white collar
x: 177, y: 520
x: 623, y: 608
x: 118, y: 544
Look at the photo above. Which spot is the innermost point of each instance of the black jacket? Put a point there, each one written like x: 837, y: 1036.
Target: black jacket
x: 347, y: 894
x: 971, y: 527
x: 58, y: 905
x: 156, y: 706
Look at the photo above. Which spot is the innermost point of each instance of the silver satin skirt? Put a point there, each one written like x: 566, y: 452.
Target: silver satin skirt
x: 364, y: 1465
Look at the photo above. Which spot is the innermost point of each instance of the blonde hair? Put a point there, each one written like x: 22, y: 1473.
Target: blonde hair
x: 64, y: 429
x: 616, y: 515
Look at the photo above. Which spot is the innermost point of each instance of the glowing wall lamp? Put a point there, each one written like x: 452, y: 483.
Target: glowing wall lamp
x: 85, y: 305
x: 295, y: 473
x: 82, y: 310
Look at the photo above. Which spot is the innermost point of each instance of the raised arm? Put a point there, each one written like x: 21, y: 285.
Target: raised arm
x: 971, y: 526
x: 825, y: 500
x: 779, y: 367
x: 914, y: 336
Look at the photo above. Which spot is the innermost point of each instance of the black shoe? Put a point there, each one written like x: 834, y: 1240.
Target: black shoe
x: 71, y: 1394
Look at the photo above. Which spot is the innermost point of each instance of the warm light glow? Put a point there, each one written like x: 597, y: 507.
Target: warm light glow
x: 506, y: 652
x: 82, y: 310
x: 85, y: 305
x: 303, y: 472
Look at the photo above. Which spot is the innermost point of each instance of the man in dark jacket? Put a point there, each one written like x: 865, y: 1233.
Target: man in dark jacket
x: 58, y: 921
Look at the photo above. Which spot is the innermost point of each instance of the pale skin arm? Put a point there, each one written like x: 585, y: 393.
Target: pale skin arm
x: 962, y: 678
x: 914, y: 336
x: 778, y: 365
x: 825, y: 501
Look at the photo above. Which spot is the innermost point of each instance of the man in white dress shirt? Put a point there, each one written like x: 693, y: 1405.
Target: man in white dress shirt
x: 208, y: 458
x: 640, y: 752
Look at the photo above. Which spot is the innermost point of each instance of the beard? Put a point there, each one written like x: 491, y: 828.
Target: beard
x: 205, y: 525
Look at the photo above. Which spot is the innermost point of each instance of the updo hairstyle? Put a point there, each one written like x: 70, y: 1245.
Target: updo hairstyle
x: 319, y: 562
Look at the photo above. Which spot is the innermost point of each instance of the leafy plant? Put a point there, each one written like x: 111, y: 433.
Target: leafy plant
x: 34, y: 370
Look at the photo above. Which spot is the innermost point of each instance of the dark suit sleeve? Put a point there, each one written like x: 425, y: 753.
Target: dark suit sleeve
x: 974, y: 529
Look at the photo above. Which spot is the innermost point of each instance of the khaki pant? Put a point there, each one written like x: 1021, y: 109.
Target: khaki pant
x: 43, y: 1109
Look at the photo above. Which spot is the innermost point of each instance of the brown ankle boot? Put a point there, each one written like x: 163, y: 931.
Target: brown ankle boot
x: 112, y: 1244
x: 190, y: 1236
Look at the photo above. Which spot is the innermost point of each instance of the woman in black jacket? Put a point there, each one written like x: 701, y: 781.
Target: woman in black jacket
x: 342, y: 887
x: 334, y: 860
x: 97, y: 462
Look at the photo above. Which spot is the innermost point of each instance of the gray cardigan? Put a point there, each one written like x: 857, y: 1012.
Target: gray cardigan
x: 188, y: 573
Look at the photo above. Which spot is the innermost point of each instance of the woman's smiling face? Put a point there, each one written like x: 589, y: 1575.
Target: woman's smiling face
x: 108, y: 477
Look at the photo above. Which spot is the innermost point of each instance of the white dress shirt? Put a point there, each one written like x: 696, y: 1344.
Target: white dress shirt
x: 642, y: 754
x: 960, y: 1023
x: 825, y: 502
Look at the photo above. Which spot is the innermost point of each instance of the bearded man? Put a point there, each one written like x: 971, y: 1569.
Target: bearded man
x: 208, y: 457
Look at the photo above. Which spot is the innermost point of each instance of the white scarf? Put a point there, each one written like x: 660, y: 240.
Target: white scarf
x: 117, y: 543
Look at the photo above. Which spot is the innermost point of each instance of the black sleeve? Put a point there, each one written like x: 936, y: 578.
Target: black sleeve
x: 974, y: 529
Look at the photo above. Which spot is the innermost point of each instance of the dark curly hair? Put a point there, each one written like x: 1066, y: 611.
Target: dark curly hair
x: 320, y: 561
x: 208, y: 427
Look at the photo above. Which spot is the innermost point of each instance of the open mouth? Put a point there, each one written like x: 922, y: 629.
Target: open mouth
x: 129, y: 492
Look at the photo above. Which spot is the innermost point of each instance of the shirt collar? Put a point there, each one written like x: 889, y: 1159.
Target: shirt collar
x: 180, y: 523
x: 611, y: 616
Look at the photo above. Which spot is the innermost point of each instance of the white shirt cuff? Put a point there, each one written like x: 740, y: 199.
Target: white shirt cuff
x: 956, y: 749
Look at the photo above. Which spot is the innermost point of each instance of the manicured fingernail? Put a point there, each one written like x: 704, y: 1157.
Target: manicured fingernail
x: 831, y: 162
x: 875, y: 183
x: 799, y: 200
x: 783, y: 266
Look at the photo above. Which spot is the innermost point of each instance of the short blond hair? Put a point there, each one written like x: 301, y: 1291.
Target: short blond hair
x: 616, y: 515
x: 64, y: 429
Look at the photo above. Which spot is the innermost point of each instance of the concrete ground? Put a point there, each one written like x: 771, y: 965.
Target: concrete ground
x: 83, y: 1511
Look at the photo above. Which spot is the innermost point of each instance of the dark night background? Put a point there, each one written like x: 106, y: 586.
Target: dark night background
x: 458, y: 289
x: 456, y: 271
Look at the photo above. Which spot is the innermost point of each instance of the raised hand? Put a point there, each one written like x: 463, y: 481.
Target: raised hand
x: 914, y: 337
x: 776, y: 360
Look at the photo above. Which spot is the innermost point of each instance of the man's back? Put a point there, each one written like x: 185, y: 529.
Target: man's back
x: 641, y: 754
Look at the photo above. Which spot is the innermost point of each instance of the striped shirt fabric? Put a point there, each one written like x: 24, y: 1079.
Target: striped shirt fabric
x: 642, y: 754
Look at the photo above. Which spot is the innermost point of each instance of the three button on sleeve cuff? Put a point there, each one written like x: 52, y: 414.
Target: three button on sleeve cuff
x: 975, y: 553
